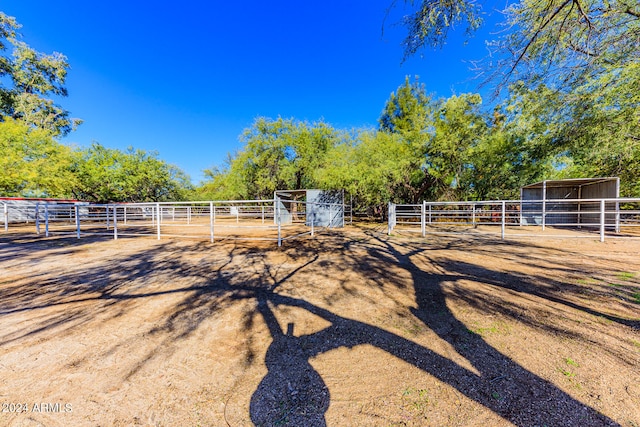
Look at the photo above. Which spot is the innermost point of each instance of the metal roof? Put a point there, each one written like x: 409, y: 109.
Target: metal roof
x: 575, y: 182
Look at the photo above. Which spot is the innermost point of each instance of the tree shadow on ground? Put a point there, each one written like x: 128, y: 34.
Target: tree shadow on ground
x: 500, y: 384
x: 293, y: 392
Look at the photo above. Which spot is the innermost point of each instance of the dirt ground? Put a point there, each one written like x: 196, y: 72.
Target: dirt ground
x: 352, y: 328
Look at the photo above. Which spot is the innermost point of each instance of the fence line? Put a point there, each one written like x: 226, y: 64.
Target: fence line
x: 272, y: 220
x: 591, y: 214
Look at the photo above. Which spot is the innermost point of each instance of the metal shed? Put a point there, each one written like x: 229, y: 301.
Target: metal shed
x: 569, y: 202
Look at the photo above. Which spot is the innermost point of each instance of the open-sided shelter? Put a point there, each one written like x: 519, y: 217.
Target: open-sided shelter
x: 569, y: 202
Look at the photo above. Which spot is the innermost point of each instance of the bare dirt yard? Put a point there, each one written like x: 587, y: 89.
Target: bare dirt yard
x: 353, y: 328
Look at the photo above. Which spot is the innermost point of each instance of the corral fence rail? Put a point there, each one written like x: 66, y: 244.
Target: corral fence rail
x: 271, y: 219
x: 603, y: 215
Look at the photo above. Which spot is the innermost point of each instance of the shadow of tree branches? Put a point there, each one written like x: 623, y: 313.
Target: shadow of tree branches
x: 293, y: 392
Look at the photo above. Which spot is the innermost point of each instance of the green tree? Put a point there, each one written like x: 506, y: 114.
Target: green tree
x: 459, y: 127
x: 374, y: 168
x: 33, y: 164
x: 28, y: 78
x: 409, y: 114
x: 110, y: 175
x: 225, y: 182
x: 277, y: 154
x: 604, y: 126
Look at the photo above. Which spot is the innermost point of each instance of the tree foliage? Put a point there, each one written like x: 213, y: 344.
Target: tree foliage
x: 33, y: 164
x: 27, y: 81
x: 110, y: 175
x: 429, y: 22
x: 278, y: 154
x: 570, y: 69
x: 562, y: 42
x: 446, y: 149
x: 567, y: 42
x: 373, y: 167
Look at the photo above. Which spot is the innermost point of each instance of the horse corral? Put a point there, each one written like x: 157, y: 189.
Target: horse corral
x: 275, y: 220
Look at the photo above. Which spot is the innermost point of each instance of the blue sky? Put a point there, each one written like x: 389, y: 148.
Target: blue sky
x: 185, y: 78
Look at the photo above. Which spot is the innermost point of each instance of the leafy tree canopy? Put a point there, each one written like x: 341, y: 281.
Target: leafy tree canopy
x: 28, y: 78
x: 561, y: 42
x: 278, y: 154
x: 33, y: 164
x: 110, y: 175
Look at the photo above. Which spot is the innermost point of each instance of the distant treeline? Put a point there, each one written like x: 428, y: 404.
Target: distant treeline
x: 569, y: 77
x: 426, y: 148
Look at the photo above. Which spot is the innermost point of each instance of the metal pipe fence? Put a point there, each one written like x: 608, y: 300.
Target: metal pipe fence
x: 599, y: 215
x: 271, y: 220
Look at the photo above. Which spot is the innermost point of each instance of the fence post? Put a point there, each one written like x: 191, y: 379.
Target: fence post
x: 211, y: 219
x: 115, y: 222
x: 106, y: 210
x: 46, y: 220
x: 504, y: 218
x: 313, y: 215
x: 473, y: 214
x: 124, y: 214
x: 602, y: 205
x: 279, y: 221
x: 158, y: 219
x: 423, y: 219
x: 77, y: 211
x: 6, y: 217
x: 429, y: 214
x: 521, y: 218
x: 37, y: 218
x: 389, y: 219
